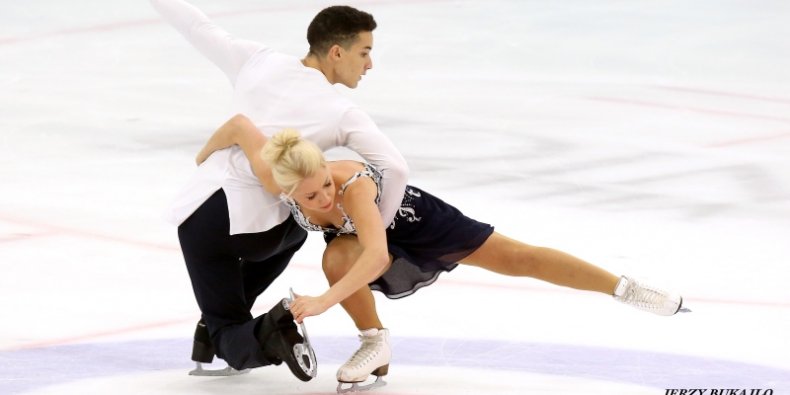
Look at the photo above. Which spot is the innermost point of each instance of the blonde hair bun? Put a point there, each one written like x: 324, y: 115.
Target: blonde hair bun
x: 280, y: 144
x: 291, y: 158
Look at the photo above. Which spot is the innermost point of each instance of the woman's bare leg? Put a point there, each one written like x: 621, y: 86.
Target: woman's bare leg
x: 339, y: 256
x: 374, y: 353
x: 504, y: 255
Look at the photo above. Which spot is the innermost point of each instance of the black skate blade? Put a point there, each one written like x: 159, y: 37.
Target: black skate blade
x: 682, y: 308
x: 227, y: 371
x: 356, y: 387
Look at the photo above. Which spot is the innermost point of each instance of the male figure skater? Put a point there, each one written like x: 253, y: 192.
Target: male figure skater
x: 236, y: 238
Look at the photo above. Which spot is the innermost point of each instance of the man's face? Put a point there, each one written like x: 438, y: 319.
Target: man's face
x: 354, y: 62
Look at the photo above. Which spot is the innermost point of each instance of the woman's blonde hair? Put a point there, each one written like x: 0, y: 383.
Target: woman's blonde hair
x: 291, y: 159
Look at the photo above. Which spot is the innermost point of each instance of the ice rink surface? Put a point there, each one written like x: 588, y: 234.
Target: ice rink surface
x: 650, y: 138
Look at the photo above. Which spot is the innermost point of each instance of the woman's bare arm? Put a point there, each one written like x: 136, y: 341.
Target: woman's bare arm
x: 240, y: 131
x: 359, y: 204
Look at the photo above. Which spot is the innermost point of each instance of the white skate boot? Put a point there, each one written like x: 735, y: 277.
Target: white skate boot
x: 647, y: 298
x: 373, y: 357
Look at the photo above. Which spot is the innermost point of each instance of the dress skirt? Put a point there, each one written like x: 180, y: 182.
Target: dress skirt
x: 426, y: 238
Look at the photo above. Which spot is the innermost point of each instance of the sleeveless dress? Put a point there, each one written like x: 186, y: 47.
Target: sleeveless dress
x: 426, y: 237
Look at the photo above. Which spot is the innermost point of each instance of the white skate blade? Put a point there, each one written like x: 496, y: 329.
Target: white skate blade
x: 356, y: 387
x: 305, y: 350
x: 301, y: 353
x: 227, y: 371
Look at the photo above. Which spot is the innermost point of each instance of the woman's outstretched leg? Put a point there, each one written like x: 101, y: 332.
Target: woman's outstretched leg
x: 510, y: 257
x: 504, y: 255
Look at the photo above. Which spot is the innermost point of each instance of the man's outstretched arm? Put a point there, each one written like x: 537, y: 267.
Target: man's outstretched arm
x: 360, y: 134
x: 220, y: 47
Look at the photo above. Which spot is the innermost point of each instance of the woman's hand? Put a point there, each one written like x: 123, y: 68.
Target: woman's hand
x: 223, y: 137
x: 307, y: 306
x: 203, y: 155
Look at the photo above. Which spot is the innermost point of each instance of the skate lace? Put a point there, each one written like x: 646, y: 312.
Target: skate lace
x: 367, y: 352
x: 643, y: 296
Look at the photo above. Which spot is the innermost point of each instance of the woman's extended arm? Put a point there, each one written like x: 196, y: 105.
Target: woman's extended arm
x: 240, y: 131
x: 359, y: 204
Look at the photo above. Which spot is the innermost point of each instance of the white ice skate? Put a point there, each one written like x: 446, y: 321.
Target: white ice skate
x: 373, y: 357
x: 648, y: 298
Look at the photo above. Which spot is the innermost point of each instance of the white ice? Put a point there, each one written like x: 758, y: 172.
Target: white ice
x: 650, y: 138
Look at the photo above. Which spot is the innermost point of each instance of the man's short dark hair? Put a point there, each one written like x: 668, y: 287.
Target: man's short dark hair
x: 337, y: 25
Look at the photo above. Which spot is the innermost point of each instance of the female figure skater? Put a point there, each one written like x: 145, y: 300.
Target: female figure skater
x: 427, y: 237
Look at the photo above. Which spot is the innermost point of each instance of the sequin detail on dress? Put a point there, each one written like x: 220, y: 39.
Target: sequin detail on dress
x: 348, y: 225
x: 407, y: 209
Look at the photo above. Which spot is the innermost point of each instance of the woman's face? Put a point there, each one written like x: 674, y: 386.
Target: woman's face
x: 317, y: 192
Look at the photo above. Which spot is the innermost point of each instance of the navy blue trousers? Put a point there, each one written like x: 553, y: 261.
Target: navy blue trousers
x: 229, y: 272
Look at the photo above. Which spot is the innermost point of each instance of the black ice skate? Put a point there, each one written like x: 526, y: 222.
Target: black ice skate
x: 203, y: 352
x: 281, y: 342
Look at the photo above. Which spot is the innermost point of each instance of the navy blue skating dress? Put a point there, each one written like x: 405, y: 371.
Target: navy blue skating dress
x: 426, y: 237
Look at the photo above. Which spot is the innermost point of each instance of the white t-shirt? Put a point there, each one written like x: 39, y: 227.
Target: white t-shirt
x: 275, y: 91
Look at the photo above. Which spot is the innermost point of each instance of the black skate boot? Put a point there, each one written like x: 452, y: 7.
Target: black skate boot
x: 203, y: 352
x: 202, y: 347
x: 281, y: 341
